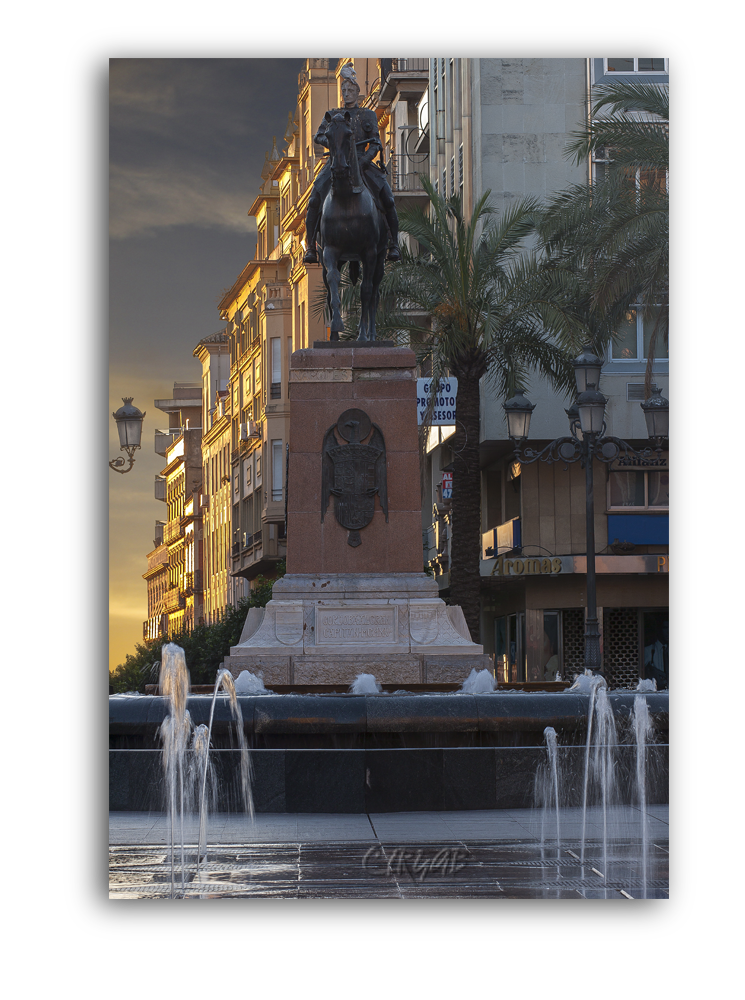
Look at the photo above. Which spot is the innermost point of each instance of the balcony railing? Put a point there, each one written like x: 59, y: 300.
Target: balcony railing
x: 173, y: 600
x: 193, y: 582
x: 172, y: 531
x: 410, y: 65
x: 405, y: 173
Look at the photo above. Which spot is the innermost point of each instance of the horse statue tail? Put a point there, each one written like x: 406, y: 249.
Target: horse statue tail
x: 354, y: 271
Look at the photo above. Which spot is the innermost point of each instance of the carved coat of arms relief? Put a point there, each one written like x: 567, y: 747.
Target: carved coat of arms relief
x: 354, y: 473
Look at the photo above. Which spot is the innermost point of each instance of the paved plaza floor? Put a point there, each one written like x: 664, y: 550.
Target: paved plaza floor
x: 499, y: 854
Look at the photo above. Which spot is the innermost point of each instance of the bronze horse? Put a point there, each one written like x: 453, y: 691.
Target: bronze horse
x: 352, y: 229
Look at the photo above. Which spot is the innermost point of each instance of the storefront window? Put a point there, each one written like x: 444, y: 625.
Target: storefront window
x: 509, y: 645
x: 656, y: 654
x: 500, y: 649
x: 551, y: 658
x: 521, y: 664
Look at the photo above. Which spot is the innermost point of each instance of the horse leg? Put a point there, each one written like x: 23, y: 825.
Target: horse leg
x: 367, y: 297
x: 331, y: 268
x: 376, y: 280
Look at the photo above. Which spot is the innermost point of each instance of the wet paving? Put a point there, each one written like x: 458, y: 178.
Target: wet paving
x: 377, y: 869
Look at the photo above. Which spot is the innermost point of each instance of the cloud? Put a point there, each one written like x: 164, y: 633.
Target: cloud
x: 145, y: 199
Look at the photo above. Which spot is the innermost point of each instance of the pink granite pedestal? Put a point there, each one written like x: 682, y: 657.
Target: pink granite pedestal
x: 343, y: 610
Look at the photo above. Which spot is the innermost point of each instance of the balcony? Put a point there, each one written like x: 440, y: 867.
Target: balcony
x: 504, y: 538
x: 405, y: 173
x: 193, y: 583
x: 173, y: 600
x: 163, y: 441
x: 172, y: 531
x: 405, y: 76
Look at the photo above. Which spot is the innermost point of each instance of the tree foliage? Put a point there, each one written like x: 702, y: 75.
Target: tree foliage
x: 475, y: 302
x: 610, y: 239
x: 205, y: 646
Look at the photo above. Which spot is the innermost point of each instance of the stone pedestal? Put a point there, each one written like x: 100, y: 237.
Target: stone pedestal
x: 365, y: 607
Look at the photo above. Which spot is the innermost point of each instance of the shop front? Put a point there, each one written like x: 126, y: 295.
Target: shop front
x: 533, y: 617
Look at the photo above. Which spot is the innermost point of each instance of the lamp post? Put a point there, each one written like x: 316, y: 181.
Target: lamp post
x: 587, y: 441
x: 129, y: 425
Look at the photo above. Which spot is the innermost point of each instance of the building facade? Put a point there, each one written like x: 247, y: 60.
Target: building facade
x: 502, y: 125
x: 174, y: 592
x: 471, y: 126
x: 213, y: 573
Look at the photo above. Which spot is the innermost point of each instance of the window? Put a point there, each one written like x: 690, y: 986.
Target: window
x: 276, y: 387
x: 633, y: 335
x: 550, y: 662
x: 636, y: 65
x: 512, y: 491
x: 509, y: 646
x: 277, y: 470
x: 638, y: 489
x: 656, y: 632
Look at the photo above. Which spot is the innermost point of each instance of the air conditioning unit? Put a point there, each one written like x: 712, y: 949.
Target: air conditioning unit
x: 249, y: 431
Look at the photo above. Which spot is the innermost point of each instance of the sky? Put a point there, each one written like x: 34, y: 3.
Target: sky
x: 187, y: 142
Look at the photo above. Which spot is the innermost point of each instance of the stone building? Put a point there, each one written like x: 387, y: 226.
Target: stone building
x: 502, y: 125
x: 174, y: 594
x: 213, y: 573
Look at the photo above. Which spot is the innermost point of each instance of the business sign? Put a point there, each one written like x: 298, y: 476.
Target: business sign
x: 447, y: 485
x: 654, y: 461
x: 444, y: 405
x: 522, y: 566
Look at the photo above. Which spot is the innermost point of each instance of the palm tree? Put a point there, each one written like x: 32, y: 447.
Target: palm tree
x: 611, y: 238
x: 475, y: 303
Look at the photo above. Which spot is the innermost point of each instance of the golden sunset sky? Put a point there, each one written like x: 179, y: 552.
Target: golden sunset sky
x: 187, y: 144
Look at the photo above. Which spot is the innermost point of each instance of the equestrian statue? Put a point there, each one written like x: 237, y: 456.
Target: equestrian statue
x: 351, y: 211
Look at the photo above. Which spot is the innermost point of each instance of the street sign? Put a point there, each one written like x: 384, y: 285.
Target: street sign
x: 444, y: 405
x: 447, y: 486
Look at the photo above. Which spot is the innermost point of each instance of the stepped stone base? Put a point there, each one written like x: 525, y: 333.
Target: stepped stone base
x: 327, y: 629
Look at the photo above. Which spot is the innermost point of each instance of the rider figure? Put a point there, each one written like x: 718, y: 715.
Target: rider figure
x: 365, y: 125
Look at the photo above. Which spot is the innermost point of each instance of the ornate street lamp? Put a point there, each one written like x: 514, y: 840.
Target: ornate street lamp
x: 657, y: 415
x: 586, y: 441
x: 129, y: 425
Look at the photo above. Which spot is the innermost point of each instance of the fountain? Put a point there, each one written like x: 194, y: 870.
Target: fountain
x: 643, y: 731
x: 478, y: 682
x: 225, y: 681
x: 607, y: 779
x: 190, y: 780
x: 174, y: 733
x: 365, y: 684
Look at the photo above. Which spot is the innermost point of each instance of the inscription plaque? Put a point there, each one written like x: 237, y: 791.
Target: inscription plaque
x: 356, y: 626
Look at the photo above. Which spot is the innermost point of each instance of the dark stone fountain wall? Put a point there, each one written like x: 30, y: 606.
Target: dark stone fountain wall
x: 368, y: 753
